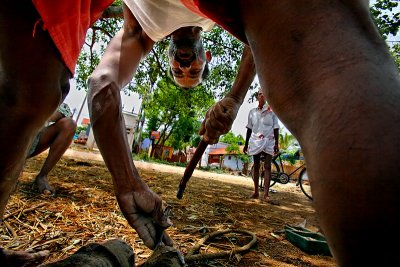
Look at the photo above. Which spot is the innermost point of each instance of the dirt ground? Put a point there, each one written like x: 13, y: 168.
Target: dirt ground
x: 84, y: 210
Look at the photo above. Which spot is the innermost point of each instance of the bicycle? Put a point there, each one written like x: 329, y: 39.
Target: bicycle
x: 278, y: 174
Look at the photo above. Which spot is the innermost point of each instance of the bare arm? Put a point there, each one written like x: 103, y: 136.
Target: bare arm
x: 246, y: 143
x: 276, y: 136
x: 140, y: 206
x: 219, y: 117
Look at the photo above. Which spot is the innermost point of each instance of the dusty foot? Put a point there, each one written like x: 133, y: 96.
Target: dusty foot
x: 254, y: 196
x: 41, y: 184
x: 22, y: 258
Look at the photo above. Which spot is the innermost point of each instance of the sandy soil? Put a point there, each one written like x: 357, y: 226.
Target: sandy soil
x: 89, y: 213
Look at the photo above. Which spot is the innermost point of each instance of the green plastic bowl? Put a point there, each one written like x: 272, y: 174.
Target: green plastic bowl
x: 309, y: 242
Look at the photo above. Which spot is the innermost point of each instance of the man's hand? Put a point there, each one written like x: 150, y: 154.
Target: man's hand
x: 219, y: 119
x: 148, y: 215
x: 245, y: 149
x: 276, y: 148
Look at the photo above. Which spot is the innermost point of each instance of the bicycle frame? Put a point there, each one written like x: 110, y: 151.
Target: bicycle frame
x: 281, y: 166
x: 279, y: 175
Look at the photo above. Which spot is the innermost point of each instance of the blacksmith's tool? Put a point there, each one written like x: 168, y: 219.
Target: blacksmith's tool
x: 190, y: 168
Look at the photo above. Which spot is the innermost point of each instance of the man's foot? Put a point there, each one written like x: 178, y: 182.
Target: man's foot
x: 41, y: 184
x: 254, y: 196
x: 22, y: 258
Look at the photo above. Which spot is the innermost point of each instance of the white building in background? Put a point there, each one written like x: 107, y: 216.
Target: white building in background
x: 130, y: 123
x: 216, y: 155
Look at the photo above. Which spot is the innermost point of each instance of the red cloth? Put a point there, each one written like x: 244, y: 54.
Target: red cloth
x: 223, y: 14
x: 67, y: 22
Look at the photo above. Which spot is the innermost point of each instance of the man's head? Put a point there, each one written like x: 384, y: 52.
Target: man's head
x: 187, y: 59
x: 260, y: 98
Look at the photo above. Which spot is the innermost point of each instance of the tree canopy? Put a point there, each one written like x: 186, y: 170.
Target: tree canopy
x: 177, y: 113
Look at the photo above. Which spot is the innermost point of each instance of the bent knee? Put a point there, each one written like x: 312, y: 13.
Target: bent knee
x: 67, y: 125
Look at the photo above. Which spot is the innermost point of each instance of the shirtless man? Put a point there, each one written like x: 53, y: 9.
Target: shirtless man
x: 57, y: 137
x: 146, y: 22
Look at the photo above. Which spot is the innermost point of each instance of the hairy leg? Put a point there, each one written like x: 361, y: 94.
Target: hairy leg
x: 330, y: 79
x: 31, y: 82
x: 267, y: 174
x: 57, y: 137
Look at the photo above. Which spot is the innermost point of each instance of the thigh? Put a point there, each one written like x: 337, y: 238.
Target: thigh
x: 256, y: 159
x: 227, y: 14
x: 46, y: 139
x: 267, y: 161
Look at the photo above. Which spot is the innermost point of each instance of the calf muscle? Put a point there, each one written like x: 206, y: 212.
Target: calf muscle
x: 328, y: 76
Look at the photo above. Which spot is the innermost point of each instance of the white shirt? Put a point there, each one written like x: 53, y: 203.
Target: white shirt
x: 262, y: 122
x: 160, y: 18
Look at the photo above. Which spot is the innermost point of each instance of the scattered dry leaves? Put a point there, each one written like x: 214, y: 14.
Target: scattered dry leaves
x: 84, y: 210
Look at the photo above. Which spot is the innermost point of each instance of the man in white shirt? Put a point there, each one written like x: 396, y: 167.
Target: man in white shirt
x: 263, y: 136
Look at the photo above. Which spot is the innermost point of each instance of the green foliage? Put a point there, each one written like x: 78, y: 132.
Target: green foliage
x: 176, y: 113
x: 395, y: 51
x: 230, y: 138
x: 233, y: 149
x: 286, y: 140
x: 195, y: 140
x: 386, y: 18
x: 79, y: 129
x: 143, y: 155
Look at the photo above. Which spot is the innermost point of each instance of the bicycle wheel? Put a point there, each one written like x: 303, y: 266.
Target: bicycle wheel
x: 275, y: 172
x: 305, y: 183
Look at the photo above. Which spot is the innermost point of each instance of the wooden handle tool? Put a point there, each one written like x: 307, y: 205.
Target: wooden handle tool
x: 190, y: 168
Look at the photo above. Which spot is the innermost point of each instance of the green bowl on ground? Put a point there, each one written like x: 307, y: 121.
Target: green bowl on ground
x: 308, y: 241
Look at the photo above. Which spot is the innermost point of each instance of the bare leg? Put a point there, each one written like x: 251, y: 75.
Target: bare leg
x: 267, y: 175
x: 330, y: 79
x: 31, y: 83
x: 256, y: 175
x: 57, y: 137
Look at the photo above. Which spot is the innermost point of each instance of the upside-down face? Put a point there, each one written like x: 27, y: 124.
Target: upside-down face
x: 187, y: 58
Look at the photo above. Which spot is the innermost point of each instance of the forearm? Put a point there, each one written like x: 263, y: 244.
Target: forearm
x: 118, y: 65
x: 110, y: 135
x: 276, y: 136
x: 244, y: 77
x: 248, y: 134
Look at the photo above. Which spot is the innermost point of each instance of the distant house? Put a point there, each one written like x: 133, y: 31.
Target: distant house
x: 85, y: 122
x: 216, y: 155
x: 130, y: 124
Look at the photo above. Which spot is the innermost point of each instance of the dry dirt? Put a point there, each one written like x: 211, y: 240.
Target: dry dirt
x: 84, y: 210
